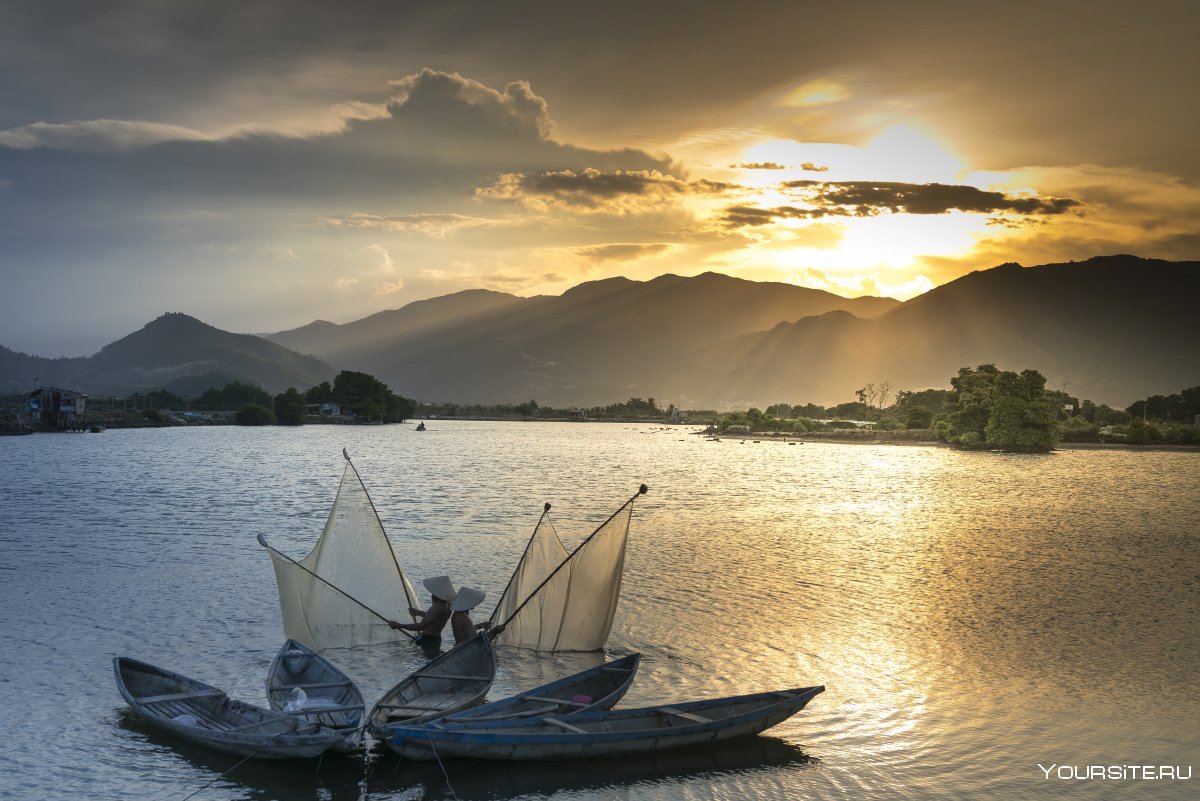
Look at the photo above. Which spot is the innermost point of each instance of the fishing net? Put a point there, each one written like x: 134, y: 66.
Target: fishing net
x: 556, y: 602
x: 354, y: 556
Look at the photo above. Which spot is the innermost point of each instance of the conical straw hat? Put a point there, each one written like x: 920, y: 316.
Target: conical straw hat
x: 468, y: 598
x: 440, y: 587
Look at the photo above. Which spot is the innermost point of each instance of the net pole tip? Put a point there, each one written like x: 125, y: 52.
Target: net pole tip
x: 346, y: 454
x: 546, y: 508
x: 642, y: 490
x: 263, y: 541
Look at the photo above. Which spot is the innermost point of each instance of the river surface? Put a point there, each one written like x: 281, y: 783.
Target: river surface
x: 972, y: 615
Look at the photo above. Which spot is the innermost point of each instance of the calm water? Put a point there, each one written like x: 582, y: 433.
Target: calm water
x: 972, y: 615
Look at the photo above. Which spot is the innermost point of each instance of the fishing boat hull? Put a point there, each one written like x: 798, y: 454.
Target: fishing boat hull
x: 205, y: 715
x: 596, y: 688
x: 456, y: 680
x: 604, y: 733
x: 341, y: 705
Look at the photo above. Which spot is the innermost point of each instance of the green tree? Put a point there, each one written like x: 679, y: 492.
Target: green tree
x: 1022, y: 417
x: 289, y: 408
x: 321, y: 393
x: 918, y: 417
x: 970, y: 404
x: 254, y: 414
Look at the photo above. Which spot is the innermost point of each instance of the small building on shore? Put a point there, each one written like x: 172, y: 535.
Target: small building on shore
x: 54, y: 407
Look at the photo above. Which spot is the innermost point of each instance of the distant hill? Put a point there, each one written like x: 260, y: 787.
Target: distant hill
x: 1111, y: 329
x: 598, y: 342
x: 175, y: 352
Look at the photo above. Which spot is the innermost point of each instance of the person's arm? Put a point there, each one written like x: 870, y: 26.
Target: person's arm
x: 412, y: 610
x: 405, y: 626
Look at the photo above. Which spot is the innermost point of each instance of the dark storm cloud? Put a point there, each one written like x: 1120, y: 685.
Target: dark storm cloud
x: 441, y: 137
x: 871, y: 198
x: 591, y: 189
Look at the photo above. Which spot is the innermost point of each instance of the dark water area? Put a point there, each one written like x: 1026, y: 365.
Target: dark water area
x: 971, y: 615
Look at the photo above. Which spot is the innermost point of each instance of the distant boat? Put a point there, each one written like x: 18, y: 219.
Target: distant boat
x: 307, y: 685
x: 599, y: 687
x: 604, y: 733
x: 456, y: 680
x: 420, y: 427
x: 203, y: 714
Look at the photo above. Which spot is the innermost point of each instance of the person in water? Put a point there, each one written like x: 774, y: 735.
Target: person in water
x: 460, y: 616
x: 432, y: 620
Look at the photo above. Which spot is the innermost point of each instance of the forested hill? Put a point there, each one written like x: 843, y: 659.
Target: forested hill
x: 1110, y: 329
x: 174, y: 352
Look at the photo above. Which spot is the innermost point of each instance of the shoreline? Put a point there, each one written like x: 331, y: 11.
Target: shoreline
x: 922, y: 439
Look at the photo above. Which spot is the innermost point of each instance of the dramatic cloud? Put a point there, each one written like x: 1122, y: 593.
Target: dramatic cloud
x: 438, y: 226
x: 622, y: 252
x: 592, y: 190
x: 516, y: 107
x: 95, y: 136
x: 870, y: 198
x: 807, y: 166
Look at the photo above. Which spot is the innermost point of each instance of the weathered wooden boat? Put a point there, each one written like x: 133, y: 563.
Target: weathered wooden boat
x: 456, y: 680
x: 204, y: 714
x: 598, y: 687
x: 602, y: 733
x: 307, y: 685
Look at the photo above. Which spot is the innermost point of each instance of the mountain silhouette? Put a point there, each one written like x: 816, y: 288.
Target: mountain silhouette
x: 1110, y: 329
x: 176, y: 352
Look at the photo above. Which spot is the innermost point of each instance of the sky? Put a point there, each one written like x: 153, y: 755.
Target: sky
x: 260, y: 165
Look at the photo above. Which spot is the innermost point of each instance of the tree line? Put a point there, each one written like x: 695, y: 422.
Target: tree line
x: 359, y: 394
x: 991, y: 408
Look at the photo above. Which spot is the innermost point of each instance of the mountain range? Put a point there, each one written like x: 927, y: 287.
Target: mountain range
x: 1111, y: 329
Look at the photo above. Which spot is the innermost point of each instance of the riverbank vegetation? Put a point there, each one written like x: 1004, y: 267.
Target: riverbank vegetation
x: 985, y: 408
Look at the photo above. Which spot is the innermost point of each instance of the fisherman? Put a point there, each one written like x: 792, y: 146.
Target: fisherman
x: 432, y: 620
x: 460, y: 618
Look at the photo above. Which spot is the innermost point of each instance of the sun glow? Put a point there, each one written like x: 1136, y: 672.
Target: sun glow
x: 876, y: 253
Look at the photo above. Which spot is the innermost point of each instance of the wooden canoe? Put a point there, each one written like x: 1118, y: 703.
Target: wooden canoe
x: 599, y: 687
x: 603, y: 733
x: 204, y: 714
x: 332, y: 698
x: 456, y: 680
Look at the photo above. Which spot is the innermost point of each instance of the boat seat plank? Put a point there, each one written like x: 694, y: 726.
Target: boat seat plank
x: 562, y: 723
x: 556, y: 701
x: 451, y: 676
x: 429, y: 704
x: 669, y: 710
x: 504, y: 716
x: 316, y: 685
x: 325, y: 710
x: 154, y: 699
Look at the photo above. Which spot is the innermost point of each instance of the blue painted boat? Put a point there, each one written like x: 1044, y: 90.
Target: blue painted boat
x: 603, y: 733
x: 599, y: 687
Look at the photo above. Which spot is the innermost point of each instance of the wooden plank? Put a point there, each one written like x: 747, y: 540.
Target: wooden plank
x: 556, y: 722
x: 546, y: 699
x: 450, y: 676
x: 685, y: 715
x: 154, y: 699
x: 616, y: 670
x: 317, y: 685
x: 519, y: 713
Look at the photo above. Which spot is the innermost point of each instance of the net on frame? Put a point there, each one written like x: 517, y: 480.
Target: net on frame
x: 560, y: 602
x: 355, y: 556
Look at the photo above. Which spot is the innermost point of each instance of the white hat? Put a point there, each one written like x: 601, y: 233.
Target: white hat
x: 440, y: 587
x: 468, y: 598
